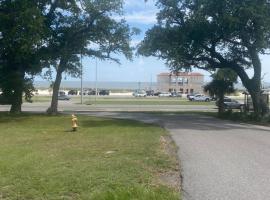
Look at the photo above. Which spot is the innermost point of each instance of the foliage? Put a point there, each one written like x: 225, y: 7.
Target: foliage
x: 222, y: 83
x: 35, y: 34
x: 244, y: 117
x: 210, y: 34
x: 89, y: 29
x: 21, y: 33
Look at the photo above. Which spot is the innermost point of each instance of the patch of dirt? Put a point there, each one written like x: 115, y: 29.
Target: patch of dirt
x: 171, y: 177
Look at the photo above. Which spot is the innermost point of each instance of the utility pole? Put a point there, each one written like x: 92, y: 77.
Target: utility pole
x: 96, y: 84
x: 151, y: 83
x: 81, y: 81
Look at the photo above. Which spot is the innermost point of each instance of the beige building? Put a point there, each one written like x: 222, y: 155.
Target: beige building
x: 183, y: 82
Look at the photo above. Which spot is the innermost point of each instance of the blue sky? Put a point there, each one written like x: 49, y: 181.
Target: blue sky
x: 143, y: 16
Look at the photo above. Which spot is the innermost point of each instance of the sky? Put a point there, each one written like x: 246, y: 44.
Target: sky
x: 142, y: 15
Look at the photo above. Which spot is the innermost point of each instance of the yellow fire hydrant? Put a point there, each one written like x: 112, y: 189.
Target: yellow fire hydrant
x: 74, y: 121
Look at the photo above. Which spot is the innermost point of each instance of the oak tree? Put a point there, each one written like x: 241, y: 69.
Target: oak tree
x: 88, y: 28
x: 211, y: 34
x: 21, y: 33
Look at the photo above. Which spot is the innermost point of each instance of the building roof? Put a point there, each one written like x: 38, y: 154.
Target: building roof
x: 181, y: 74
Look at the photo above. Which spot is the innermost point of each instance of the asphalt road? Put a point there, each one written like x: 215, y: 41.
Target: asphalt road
x: 220, y: 160
x: 76, y: 107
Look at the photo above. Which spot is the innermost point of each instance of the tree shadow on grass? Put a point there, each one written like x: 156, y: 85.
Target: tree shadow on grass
x: 6, y: 117
x: 105, y: 122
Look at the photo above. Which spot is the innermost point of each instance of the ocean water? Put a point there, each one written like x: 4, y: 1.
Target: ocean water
x: 100, y: 85
x: 117, y: 85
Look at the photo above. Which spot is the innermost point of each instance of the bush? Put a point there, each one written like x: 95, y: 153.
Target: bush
x: 243, y: 116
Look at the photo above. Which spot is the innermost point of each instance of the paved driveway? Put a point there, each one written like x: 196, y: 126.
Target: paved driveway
x: 220, y: 160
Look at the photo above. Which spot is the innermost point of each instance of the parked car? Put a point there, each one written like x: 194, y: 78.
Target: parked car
x: 72, y: 92
x: 60, y: 93
x: 213, y: 98
x: 91, y: 92
x: 104, y: 92
x: 150, y: 93
x: 229, y: 104
x: 200, y: 97
x: 85, y: 92
x: 139, y: 93
x: 191, y: 96
x: 156, y: 93
x: 63, y: 97
x: 176, y: 94
x: 165, y: 94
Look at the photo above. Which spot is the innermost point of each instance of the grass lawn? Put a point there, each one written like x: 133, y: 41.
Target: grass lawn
x: 105, y: 160
x: 89, y: 100
x: 144, y: 101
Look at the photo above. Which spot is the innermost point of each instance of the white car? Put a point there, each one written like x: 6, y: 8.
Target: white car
x: 63, y: 97
x: 165, y: 94
x: 200, y: 97
x: 141, y: 93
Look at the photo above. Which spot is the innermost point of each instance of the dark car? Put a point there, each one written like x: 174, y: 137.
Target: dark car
x: 150, y: 92
x: 104, y: 92
x: 63, y: 97
x: 91, y: 92
x: 60, y: 93
x: 213, y: 98
x: 157, y: 93
x: 72, y: 92
x: 229, y: 104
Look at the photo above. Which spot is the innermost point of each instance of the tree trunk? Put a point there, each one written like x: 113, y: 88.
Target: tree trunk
x: 16, y: 100
x: 53, y: 109
x: 259, y: 105
x: 221, y: 108
x: 254, y: 85
x: 16, y: 105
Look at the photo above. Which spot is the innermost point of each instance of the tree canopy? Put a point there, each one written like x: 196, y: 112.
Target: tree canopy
x: 86, y: 28
x: 210, y: 34
x: 222, y: 83
x: 35, y: 34
x: 21, y: 33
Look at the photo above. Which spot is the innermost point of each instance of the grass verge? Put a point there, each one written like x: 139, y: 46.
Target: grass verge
x: 105, y: 160
x: 146, y: 101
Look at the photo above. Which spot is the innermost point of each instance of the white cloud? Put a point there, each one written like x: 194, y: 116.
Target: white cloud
x: 143, y: 17
x: 135, y: 42
x: 141, y: 12
x: 141, y: 4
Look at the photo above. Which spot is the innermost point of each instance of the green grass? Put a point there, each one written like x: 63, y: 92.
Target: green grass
x: 105, y: 160
x: 144, y: 101
x: 41, y: 99
x: 89, y: 100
